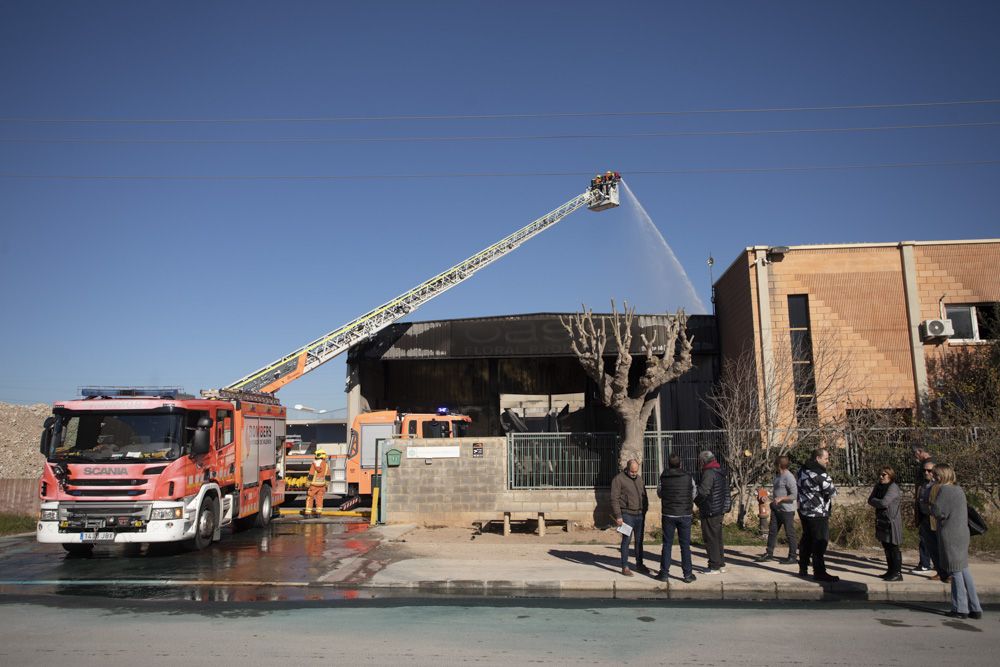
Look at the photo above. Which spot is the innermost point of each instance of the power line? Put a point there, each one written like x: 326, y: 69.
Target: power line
x: 445, y: 175
x: 524, y: 137
x: 501, y: 116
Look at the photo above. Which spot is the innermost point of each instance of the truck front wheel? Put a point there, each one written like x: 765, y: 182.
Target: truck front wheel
x: 205, y: 523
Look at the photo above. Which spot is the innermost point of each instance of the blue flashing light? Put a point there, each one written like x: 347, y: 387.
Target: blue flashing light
x: 442, y: 410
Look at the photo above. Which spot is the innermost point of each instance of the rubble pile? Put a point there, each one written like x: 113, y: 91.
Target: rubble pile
x: 20, y: 428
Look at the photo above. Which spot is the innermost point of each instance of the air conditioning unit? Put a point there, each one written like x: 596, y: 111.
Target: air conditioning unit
x: 930, y: 329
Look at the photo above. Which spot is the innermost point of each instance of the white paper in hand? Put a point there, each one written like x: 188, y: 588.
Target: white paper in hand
x: 625, y: 530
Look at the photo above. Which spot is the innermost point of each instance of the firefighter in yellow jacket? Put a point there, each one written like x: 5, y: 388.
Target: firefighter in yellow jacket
x: 319, y: 472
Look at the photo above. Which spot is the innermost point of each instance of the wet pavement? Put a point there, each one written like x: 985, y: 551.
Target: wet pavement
x: 334, y: 559
x: 292, y: 559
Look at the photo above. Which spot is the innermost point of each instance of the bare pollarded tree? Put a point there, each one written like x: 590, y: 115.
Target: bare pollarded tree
x: 632, y: 402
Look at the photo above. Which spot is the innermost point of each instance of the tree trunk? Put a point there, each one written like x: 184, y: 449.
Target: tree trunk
x: 635, y: 430
x: 744, y: 509
x: 632, y: 401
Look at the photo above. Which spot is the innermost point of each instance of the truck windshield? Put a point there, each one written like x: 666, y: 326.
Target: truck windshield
x: 105, y: 436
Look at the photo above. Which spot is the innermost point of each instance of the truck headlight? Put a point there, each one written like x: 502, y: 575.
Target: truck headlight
x: 49, y: 515
x: 163, y: 513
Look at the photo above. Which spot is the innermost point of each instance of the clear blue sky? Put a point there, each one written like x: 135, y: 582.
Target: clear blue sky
x: 133, y: 252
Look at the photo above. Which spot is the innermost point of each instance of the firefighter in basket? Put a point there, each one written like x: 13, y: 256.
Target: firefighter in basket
x: 595, y: 182
x: 319, y: 473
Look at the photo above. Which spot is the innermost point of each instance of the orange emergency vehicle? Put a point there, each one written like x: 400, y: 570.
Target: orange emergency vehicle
x: 370, y: 430
x: 127, y: 465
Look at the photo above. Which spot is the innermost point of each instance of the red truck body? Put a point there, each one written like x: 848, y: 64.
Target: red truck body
x: 159, y: 468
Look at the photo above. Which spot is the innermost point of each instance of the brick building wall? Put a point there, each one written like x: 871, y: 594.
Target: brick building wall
x: 735, y: 296
x: 858, y: 306
x: 952, y: 274
x: 857, y: 313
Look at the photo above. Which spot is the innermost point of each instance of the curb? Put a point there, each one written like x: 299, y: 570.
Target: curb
x: 842, y: 591
x: 722, y: 591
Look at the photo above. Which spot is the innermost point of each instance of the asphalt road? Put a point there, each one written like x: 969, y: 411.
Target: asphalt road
x: 166, y: 606
x: 94, y: 631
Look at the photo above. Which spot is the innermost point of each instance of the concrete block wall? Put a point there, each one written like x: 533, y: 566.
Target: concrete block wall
x: 445, y: 491
x: 459, y: 491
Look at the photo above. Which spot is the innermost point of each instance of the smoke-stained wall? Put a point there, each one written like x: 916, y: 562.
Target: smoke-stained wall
x: 466, y: 365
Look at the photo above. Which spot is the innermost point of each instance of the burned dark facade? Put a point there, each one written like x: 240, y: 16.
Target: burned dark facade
x: 470, y: 365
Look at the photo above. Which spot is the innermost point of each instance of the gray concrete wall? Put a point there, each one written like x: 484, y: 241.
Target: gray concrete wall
x: 459, y: 491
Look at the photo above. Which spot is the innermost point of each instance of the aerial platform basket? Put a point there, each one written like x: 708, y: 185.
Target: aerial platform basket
x: 602, y: 201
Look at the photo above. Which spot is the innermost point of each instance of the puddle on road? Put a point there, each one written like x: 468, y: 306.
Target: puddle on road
x: 286, y: 551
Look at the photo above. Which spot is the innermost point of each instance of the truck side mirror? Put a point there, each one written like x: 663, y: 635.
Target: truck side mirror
x: 205, y: 422
x: 201, y: 442
x: 45, y: 444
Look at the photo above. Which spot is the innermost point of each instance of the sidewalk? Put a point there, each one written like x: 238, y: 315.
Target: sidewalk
x: 455, y: 561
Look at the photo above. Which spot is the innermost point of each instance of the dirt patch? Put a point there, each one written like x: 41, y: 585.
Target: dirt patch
x: 20, y: 428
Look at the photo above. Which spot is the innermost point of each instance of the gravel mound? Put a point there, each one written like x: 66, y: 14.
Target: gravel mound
x: 20, y: 429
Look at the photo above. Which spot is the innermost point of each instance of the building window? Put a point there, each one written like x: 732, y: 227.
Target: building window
x: 974, y: 322
x: 803, y: 373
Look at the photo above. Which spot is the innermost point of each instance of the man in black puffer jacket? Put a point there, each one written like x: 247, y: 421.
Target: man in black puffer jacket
x: 676, y: 491
x: 816, y: 492
x: 713, y: 501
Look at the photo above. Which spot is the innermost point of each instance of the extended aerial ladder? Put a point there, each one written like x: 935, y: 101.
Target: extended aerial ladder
x: 600, y: 196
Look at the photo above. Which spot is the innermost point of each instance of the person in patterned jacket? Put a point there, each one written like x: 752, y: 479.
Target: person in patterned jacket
x: 816, y: 492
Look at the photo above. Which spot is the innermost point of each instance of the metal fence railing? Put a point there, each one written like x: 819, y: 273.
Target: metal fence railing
x: 590, y: 460
x: 561, y: 460
x: 866, y: 451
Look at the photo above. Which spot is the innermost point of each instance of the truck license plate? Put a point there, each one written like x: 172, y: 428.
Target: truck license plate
x: 103, y: 536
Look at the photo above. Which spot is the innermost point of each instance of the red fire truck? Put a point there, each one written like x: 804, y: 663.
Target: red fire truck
x: 127, y: 465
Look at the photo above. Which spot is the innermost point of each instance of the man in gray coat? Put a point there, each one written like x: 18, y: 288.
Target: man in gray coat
x: 629, y: 504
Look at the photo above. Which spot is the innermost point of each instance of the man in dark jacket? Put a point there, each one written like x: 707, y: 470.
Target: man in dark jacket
x: 922, y: 482
x: 713, y: 501
x: 816, y: 492
x: 628, y: 506
x: 676, y: 491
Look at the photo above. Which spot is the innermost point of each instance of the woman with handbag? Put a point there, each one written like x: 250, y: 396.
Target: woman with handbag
x: 885, y: 498
x: 950, y: 509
